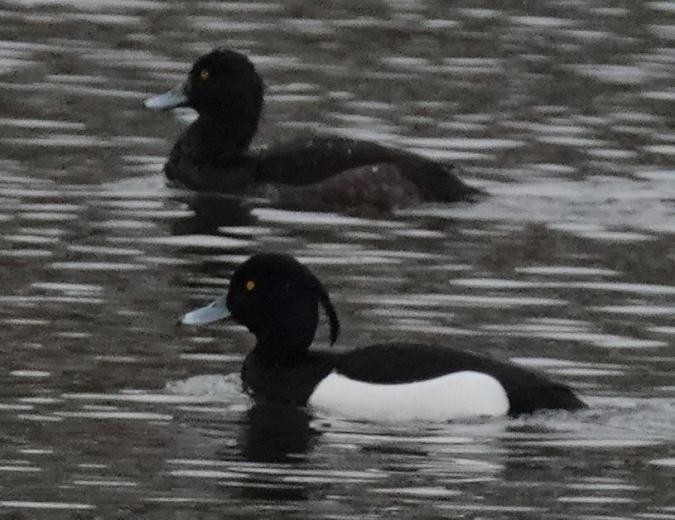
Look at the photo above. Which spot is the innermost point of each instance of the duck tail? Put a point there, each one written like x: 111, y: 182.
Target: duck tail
x: 447, y: 186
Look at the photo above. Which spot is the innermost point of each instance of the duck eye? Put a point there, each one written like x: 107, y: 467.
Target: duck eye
x: 204, y: 74
x: 250, y: 285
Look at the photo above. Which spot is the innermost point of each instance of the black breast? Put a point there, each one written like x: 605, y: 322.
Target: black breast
x: 197, y: 163
x: 285, y: 380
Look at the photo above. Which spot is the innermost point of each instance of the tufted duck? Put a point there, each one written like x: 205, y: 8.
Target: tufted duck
x: 277, y: 299
x: 316, y: 173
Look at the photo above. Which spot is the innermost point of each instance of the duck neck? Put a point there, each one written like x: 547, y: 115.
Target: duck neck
x: 277, y: 349
x: 220, y: 139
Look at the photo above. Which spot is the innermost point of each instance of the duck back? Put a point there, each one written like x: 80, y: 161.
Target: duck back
x: 305, y: 162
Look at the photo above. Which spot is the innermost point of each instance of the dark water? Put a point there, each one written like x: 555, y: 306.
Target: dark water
x: 562, y: 109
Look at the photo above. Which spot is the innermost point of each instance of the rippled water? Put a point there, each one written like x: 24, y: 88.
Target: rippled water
x: 563, y: 110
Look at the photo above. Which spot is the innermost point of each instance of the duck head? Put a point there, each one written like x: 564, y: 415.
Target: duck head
x: 277, y: 299
x: 224, y: 88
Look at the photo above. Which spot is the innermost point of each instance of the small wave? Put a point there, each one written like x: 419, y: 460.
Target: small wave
x: 216, y: 388
x: 608, y: 422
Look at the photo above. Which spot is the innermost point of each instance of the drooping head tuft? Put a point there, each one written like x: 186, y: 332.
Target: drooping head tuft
x: 277, y: 298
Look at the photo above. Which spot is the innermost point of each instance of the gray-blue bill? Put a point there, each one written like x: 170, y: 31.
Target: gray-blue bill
x: 172, y: 99
x: 214, y: 311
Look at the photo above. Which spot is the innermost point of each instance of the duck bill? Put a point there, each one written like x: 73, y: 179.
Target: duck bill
x: 214, y: 311
x: 174, y: 98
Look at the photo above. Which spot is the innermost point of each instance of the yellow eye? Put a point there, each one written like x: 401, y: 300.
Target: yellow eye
x: 204, y: 74
x: 250, y: 285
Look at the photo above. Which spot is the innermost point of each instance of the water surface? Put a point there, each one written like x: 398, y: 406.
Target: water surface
x: 562, y: 110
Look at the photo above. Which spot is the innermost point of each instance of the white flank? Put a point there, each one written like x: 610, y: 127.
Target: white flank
x: 453, y: 396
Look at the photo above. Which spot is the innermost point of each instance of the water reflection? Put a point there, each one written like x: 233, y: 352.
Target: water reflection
x: 276, y: 434
x: 209, y: 212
